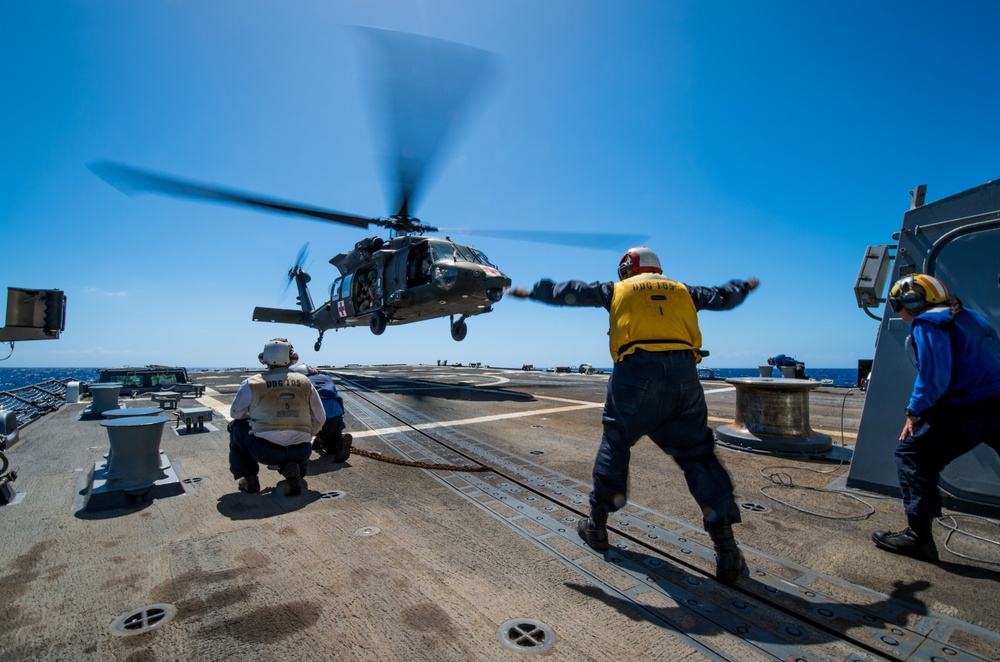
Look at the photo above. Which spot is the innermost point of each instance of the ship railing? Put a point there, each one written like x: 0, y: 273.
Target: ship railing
x: 30, y: 403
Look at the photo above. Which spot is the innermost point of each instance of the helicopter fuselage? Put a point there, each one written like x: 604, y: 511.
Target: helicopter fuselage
x: 407, y: 279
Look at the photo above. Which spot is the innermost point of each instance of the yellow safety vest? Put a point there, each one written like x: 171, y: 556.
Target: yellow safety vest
x: 280, y: 400
x: 654, y: 313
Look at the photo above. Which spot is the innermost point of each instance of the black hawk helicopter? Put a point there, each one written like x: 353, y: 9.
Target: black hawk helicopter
x: 409, y: 276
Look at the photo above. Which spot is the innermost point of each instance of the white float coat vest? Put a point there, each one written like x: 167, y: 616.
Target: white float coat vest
x: 279, y: 400
x: 652, y: 312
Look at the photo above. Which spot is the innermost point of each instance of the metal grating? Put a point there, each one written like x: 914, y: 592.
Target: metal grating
x: 143, y: 620
x: 526, y: 635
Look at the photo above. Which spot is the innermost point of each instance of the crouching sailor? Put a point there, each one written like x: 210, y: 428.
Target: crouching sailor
x: 275, y: 415
x: 331, y: 439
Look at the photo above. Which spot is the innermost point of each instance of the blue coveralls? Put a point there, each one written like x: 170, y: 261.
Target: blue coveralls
x: 782, y: 360
x: 956, y: 397
x: 657, y: 394
x: 333, y: 405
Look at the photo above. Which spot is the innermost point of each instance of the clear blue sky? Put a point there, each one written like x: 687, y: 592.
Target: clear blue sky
x: 769, y: 139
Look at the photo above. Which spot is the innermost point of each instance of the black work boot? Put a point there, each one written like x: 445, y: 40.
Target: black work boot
x: 916, y: 541
x: 341, y: 449
x: 594, y: 530
x: 293, y: 479
x: 249, y: 484
x: 729, y: 562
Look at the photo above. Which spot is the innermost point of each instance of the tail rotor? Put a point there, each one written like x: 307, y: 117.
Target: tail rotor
x: 297, y: 268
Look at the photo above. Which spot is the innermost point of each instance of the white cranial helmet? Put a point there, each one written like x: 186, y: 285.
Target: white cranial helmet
x: 278, y: 353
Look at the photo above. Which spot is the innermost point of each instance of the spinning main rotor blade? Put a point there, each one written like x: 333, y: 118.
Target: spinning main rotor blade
x: 598, y: 240
x: 422, y: 86
x: 132, y: 181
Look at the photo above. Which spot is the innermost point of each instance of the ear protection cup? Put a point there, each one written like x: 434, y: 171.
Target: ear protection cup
x: 278, y: 353
x: 911, y: 301
x: 917, y: 292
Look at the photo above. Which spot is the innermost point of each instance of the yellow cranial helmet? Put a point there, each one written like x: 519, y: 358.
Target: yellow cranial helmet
x: 917, y: 292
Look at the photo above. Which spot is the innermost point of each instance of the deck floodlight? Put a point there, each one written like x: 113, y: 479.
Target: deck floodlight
x: 34, y: 314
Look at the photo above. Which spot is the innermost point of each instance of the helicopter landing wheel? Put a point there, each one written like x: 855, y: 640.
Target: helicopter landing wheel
x: 459, y: 329
x: 377, y: 322
x: 319, y: 342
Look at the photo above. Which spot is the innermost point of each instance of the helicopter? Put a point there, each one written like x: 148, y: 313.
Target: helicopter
x: 408, y: 277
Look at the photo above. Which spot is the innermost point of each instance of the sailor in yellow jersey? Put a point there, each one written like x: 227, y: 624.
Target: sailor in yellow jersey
x: 654, y: 391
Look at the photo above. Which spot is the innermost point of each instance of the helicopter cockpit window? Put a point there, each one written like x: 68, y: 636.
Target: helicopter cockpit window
x: 465, y: 252
x: 341, y: 288
x: 451, y: 252
x: 481, y: 256
x: 418, y: 265
x: 444, y: 251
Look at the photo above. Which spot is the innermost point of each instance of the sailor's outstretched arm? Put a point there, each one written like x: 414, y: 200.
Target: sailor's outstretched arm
x: 724, y: 297
x: 567, y: 293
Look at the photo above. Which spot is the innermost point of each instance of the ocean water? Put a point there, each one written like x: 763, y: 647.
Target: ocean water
x: 11, y: 378
x: 839, y: 376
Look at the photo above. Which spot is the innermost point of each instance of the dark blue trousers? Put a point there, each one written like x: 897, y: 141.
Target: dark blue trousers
x: 658, y: 394
x: 332, y: 433
x: 247, y: 452
x: 942, y: 433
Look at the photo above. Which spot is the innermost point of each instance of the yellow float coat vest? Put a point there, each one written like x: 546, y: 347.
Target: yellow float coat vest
x: 652, y: 312
x: 280, y: 401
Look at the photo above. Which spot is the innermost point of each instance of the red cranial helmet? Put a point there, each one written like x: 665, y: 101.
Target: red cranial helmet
x: 638, y: 260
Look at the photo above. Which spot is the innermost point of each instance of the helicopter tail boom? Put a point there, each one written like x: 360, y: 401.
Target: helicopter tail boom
x: 279, y: 316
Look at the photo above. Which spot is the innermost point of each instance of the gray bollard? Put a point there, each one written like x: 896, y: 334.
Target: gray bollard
x: 105, y: 397
x: 134, y: 462
x: 131, y: 413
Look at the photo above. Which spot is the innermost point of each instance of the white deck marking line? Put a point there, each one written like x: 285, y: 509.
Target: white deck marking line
x: 573, y: 402
x: 576, y: 405
x: 220, y: 408
x: 473, y: 421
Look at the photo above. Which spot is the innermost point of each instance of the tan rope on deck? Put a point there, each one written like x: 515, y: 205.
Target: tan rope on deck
x: 421, y: 465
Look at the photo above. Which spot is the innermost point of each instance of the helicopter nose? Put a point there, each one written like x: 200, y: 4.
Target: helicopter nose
x: 494, y: 294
